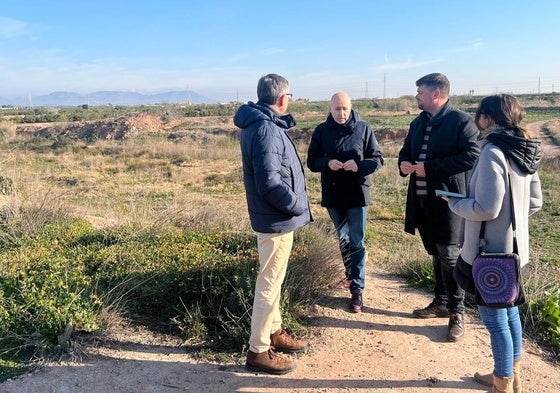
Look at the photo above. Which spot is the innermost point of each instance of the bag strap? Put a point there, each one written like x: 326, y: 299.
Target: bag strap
x: 482, y: 242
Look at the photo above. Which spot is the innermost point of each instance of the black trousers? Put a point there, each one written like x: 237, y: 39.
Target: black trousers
x: 444, y: 258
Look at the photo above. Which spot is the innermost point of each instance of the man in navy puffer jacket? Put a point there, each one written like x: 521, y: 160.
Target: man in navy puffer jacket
x: 278, y: 205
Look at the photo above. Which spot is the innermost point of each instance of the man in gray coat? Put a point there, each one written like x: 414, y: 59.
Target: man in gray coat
x: 438, y: 153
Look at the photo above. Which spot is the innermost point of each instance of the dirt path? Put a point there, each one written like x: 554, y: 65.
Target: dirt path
x: 549, y: 149
x: 380, y: 350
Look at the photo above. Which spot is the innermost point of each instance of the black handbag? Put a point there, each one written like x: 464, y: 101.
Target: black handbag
x: 497, y: 276
x: 462, y: 273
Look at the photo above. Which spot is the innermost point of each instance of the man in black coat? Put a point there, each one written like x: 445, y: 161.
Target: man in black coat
x: 345, y: 151
x: 438, y: 153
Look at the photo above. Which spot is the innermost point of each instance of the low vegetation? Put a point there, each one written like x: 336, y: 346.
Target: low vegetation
x: 152, y: 227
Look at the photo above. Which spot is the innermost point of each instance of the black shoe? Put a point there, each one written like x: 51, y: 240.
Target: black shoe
x: 356, y: 302
x: 456, y: 330
x: 432, y: 310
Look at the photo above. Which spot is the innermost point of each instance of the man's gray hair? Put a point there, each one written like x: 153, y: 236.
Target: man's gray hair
x: 435, y: 81
x: 271, y: 87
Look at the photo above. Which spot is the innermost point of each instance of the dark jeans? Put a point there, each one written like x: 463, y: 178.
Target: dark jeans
x: 350, y: 225
x: 446, y: 290
x: 444, y: 258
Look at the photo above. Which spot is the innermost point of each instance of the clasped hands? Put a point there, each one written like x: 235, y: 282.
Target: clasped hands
x: 349, y: 165
x: 408, y: 167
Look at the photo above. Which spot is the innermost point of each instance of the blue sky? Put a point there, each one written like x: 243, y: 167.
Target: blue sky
x: 220, y: 48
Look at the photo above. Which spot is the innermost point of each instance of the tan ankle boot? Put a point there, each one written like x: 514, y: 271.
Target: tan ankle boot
x: 488, y: 379
x: 283, y: 342
x: 269, y: 362
x: 517, y: 376
x: 484, y: 379
x: 502, y: 384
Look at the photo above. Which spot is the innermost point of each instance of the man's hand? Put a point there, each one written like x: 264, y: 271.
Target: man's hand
x: 335, y: 165
x: 350, y: 165
x: 407, y: 168
x: 419, y: 169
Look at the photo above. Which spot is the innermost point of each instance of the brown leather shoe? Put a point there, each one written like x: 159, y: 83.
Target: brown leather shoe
x: 269, y: 362
x: 283, y: 342
x: 432, y: 310
x: 455, y: 327
x: 356, y: 302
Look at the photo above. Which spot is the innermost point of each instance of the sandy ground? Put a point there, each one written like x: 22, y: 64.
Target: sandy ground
x: 382, y: 349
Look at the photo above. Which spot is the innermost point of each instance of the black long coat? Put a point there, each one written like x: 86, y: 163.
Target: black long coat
x: 452, y: 152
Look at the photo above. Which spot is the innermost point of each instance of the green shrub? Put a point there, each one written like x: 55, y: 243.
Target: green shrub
x: 43, y: 289
x: 551, y: 317
x: 195, y: 283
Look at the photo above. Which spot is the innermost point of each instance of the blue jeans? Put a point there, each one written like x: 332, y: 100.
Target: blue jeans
x: 350, y: 225
x: 506, y: 333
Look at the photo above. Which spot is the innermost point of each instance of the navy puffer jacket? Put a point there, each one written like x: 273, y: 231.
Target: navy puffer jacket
x: 272, y: 170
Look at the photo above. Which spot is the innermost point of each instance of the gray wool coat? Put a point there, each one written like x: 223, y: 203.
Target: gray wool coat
x: 488, y: 199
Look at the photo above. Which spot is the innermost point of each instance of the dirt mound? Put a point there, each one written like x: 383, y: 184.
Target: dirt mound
x: 391, y: 134
x: 117, y: 129
x: 127, y: 127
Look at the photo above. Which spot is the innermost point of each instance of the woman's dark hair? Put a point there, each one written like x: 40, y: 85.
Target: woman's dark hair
x: 505, y: 110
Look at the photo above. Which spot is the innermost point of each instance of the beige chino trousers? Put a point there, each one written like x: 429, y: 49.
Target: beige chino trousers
x: 274, y: 252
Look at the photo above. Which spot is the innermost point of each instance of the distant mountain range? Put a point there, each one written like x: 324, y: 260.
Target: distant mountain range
x: 61, y: 98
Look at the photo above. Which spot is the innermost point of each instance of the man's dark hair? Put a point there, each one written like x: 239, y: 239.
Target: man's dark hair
x: 271, y: 87
x: 435, y: 81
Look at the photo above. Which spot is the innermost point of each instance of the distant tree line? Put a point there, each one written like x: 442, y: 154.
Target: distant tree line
x: 170, y: 111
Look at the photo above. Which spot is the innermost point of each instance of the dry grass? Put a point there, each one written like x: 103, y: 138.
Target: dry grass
x: 7, y: 130
x: 142, y: 180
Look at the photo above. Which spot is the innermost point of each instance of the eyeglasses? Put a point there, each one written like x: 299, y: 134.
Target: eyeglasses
x: 289, y: 95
